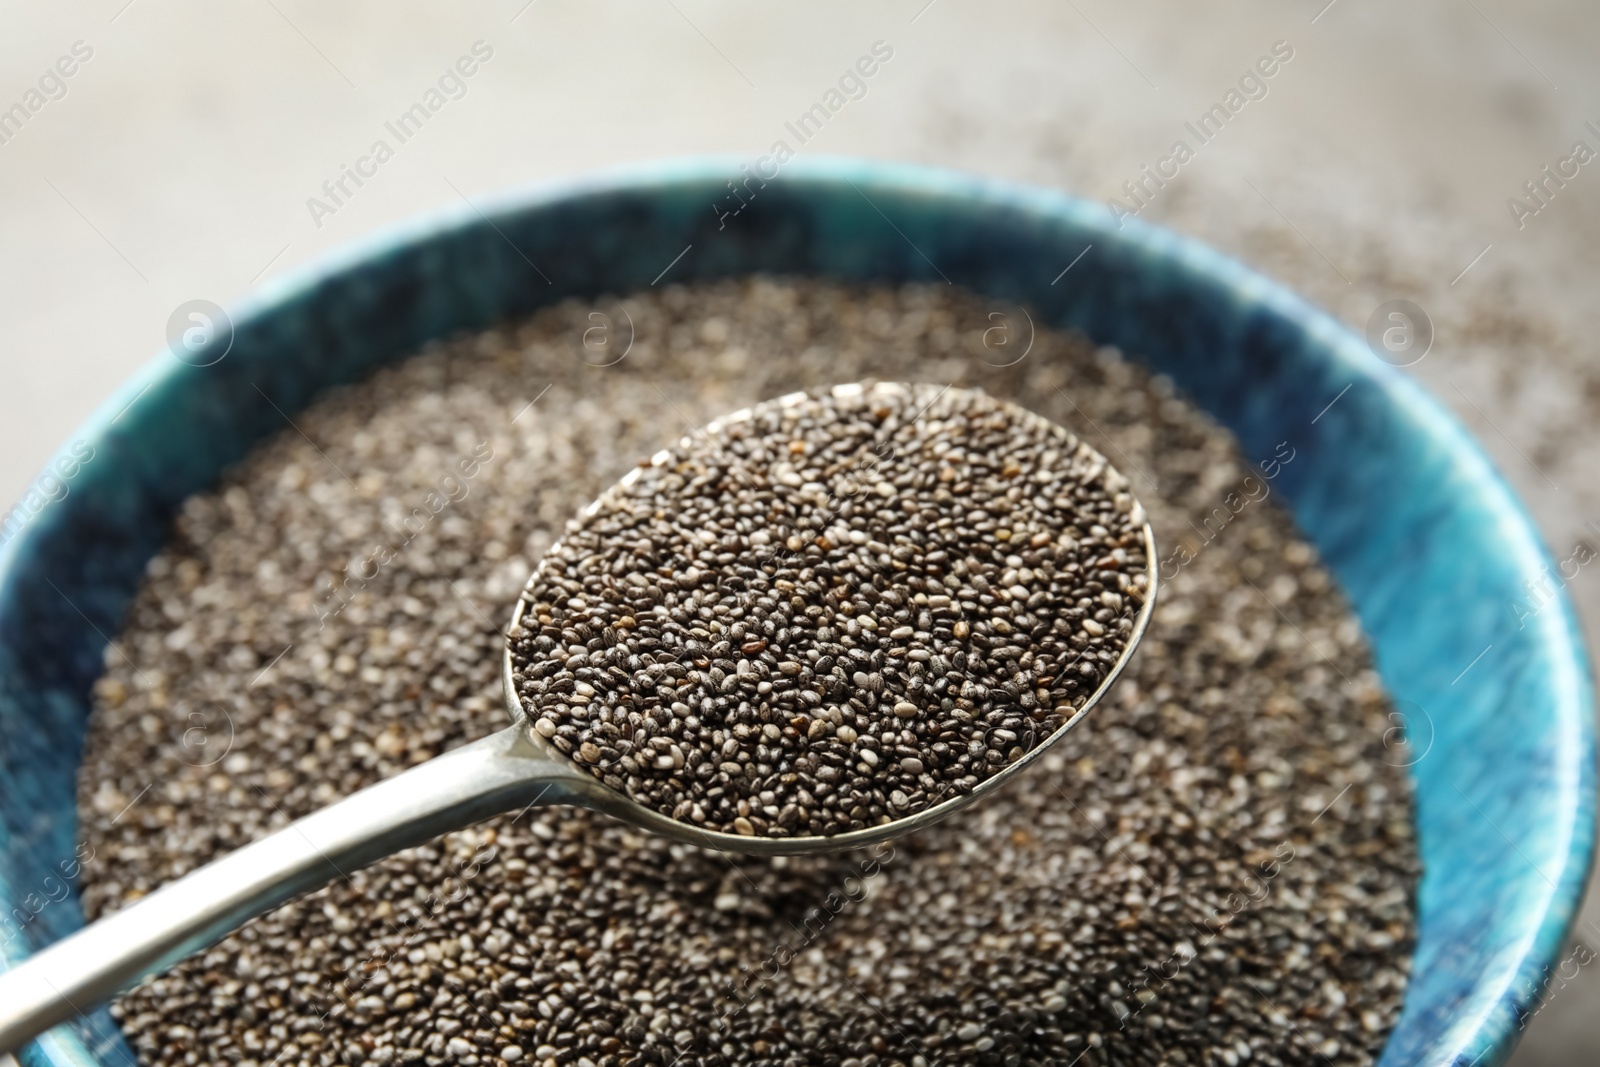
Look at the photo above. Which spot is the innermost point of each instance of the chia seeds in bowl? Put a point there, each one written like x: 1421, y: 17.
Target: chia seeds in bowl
x: 1217, y: 867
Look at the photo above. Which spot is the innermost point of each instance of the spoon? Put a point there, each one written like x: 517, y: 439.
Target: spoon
x: 524, y: 765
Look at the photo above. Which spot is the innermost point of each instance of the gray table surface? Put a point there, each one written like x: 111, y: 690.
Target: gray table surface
x: 178, y: 161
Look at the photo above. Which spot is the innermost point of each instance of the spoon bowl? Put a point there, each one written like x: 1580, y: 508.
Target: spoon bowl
x: 613, y: 802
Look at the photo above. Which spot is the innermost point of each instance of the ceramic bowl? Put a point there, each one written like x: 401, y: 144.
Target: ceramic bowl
x: 1428, y: 542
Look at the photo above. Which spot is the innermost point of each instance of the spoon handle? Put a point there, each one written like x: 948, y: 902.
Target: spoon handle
x: 500, y: 773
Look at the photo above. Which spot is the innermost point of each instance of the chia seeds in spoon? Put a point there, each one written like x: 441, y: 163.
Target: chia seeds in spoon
x: 833, y: 610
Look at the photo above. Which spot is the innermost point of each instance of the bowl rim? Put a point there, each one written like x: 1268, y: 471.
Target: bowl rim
x: 1482, y: 1029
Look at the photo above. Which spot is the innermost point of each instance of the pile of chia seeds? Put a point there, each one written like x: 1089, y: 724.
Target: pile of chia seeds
x: 1216, y: 867
x: 833, y: 610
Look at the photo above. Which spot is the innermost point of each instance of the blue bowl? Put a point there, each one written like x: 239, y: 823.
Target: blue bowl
x: 1425, y: 537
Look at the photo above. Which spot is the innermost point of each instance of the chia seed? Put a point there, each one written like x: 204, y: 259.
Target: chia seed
x: 1216, y: 868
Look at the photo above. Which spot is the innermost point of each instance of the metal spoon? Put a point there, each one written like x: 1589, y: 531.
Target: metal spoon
x: 508, y: 771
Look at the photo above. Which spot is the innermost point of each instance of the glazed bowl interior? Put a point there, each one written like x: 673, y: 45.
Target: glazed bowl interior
x: 1425, y: 538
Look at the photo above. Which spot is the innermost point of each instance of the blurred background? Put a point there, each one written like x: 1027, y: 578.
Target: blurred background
x: 177, y: 161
